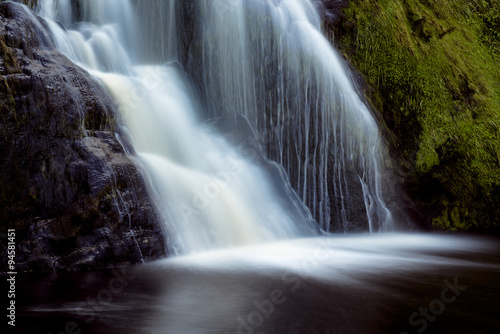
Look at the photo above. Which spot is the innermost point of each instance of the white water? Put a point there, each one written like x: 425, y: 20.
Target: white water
x: 208, y: 194
x: 274, y: 66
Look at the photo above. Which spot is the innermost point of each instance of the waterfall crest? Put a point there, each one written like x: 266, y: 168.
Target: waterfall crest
x: 261, y: 62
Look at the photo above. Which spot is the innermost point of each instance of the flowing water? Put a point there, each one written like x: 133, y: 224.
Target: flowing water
x: 266, y: 67
x: 274, y: 66
x: 207, y: 193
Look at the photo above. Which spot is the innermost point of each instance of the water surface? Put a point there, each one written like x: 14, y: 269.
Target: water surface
x: 336, y: 284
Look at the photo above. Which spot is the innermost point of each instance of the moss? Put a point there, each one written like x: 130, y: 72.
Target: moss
x: 96, y: 119
x: 434, y: 67
x: 9, y: 60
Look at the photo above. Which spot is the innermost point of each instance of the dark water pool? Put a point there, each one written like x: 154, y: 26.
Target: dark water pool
x: 395, y: 283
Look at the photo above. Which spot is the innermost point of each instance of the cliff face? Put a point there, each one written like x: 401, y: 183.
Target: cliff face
x: 432, y: 72
x: 66, y: 185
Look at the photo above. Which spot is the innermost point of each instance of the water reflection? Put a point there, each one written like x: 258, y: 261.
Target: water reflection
x: 342, y: 284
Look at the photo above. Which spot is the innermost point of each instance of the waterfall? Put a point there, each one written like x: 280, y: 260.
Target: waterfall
x: 274, y: 66
x: 257, y: 71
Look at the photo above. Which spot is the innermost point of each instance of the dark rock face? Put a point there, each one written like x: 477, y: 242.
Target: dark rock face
x: 332, y: 12
x: 66, y: 185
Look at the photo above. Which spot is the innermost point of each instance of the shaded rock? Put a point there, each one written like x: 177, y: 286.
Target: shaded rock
x: 332, y: 12
x: 76, y: 200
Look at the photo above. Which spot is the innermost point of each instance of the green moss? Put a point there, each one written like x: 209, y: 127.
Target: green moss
x: 9, y: 60
x: 434, y: 64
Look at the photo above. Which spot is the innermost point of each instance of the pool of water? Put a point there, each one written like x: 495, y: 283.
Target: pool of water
x: 387, y: 283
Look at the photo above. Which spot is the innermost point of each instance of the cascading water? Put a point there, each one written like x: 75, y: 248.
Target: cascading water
x: 273, y: 65
x: 264, y: 60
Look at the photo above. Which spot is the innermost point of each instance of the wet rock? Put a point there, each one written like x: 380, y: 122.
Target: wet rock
x: 332, y: 11
x: 76, y: 200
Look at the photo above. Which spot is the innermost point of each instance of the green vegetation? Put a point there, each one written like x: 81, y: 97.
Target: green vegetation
x: 434, y: 65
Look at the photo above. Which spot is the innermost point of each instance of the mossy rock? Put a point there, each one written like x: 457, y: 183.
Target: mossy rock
x: 433, y: 65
